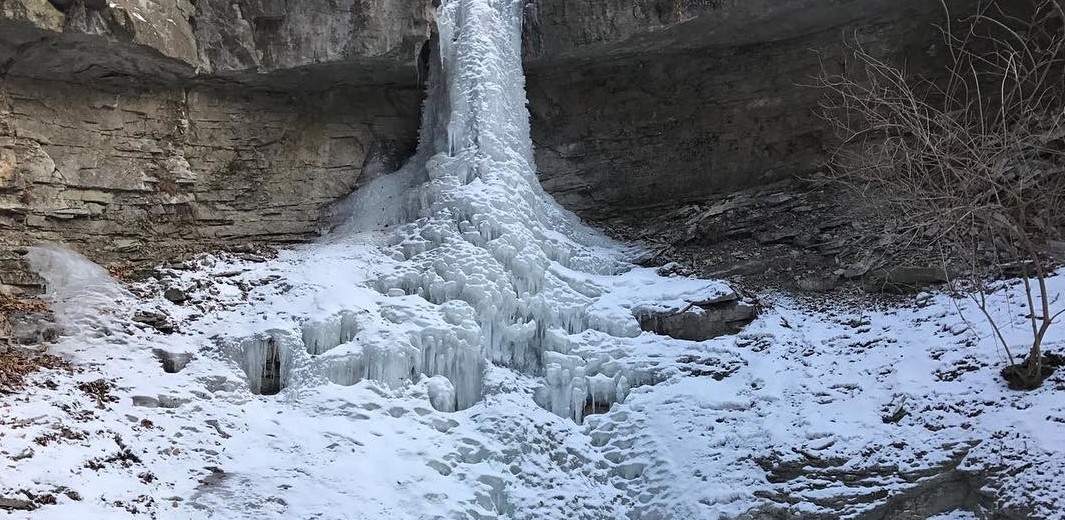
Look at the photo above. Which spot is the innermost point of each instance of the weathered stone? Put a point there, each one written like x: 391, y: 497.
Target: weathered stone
x: 15, y: 276
x: 818, y: 283
x: 649, y: 103
x: 805, y: 480
x: 175, y: 295
x: 29, y: 328
x: 162, y: 25
x: 860, y: 267
x: 137, y: 130
x: 145, y: 401
x: 15, y: 504
x: 905, y: 278
x: 36, y: 14
x: 145, y: 174
x: 267, y: 35
x: 156, y: 320
x: 701, y: 320
x: 173, y: 362
x: 160, y: 41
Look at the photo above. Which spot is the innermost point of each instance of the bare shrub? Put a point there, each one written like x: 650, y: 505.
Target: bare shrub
x: 973, y: 166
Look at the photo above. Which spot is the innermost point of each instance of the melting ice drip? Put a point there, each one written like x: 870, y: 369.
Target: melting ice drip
x: 501, y: 271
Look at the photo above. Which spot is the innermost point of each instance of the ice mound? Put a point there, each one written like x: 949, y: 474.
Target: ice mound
x: 518, y: 279
x: 472, y: 261
x: 501, y: 271
x: 85, y: 298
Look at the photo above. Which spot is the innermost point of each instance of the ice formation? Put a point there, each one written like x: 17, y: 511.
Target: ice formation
x: 83, y: 293
x: 480, y: 266
x: 504, y: 273
x: 476, y: 262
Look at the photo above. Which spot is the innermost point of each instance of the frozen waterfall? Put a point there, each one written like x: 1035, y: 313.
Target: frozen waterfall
x: 486, y: 265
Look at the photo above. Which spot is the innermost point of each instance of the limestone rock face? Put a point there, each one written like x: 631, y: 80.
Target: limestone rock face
x: 32, y: 14
x: 144, y: 172
x: 654, y: 102
x: 273, y: 35
x: 165, y: 40
x: 133, y: 127
x: 134, y: 130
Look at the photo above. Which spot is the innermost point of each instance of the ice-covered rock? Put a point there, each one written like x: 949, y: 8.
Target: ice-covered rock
x: 84, y: 296
x: 441, y: 393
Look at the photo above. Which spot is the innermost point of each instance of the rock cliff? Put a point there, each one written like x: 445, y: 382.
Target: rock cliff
x: 135, y: 129
x: 656, y: 102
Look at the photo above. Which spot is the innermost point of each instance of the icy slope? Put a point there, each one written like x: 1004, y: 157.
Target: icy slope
x: 788, y: 414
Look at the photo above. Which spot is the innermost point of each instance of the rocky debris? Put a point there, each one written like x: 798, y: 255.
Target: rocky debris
x: 155, y: 319
x: 801, y: 234
x: 175, y: 295
x: 15, y: 504
x: 699, y: 320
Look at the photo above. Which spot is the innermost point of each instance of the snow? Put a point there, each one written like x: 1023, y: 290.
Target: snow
x: 805, y: 379
x: 462, y: 347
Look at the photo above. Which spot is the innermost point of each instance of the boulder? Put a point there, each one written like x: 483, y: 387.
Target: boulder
x: 700, y: 320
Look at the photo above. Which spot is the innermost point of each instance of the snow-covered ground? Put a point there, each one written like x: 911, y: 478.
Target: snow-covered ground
x: 787, y: 408
x: 464, y: 348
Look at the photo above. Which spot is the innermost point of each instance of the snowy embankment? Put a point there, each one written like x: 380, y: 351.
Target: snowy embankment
x: 803, y: 407
x: 463, y: 347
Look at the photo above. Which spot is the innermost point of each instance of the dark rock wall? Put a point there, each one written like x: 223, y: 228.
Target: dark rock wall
x: 654, y: 103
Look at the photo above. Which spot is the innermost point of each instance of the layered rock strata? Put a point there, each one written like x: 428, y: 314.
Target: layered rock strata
x: 134, y: 130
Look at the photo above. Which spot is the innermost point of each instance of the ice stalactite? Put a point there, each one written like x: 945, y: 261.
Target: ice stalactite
x: 267, y: 360
x: 322, y: 335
